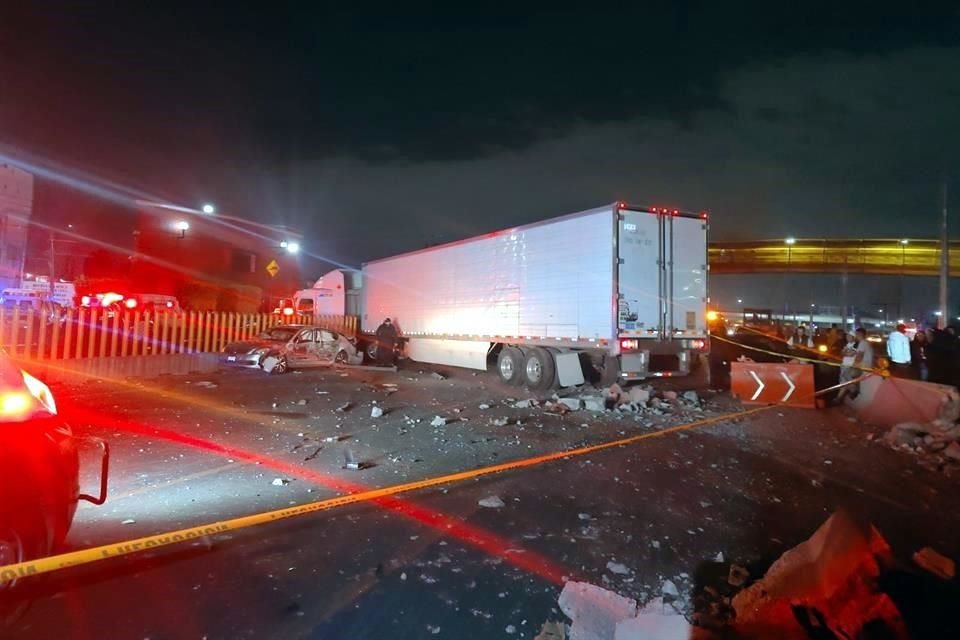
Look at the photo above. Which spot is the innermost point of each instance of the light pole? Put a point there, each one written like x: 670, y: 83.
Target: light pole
x: 903, y: 261
x: 789, y: 241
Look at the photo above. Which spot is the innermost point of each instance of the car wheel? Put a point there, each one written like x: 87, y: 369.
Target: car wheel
x: 281, y: 367
x: 341, y: 358
x: 19, y: 546
x: 371, y: 351
x: 510, y: 365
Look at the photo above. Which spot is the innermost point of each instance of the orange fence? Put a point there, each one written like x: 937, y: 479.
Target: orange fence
x: 46, y: 334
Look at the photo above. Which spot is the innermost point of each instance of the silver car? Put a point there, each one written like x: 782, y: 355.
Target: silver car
x: 286, y: 347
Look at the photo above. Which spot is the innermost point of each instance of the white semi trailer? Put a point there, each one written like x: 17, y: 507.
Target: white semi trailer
x: 615, y: 292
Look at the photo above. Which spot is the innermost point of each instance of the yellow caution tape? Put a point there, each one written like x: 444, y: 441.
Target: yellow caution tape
x: 790, y: 356
x: 137, y: 545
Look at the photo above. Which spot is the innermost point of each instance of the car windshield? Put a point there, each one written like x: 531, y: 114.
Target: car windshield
x: 278, y: 334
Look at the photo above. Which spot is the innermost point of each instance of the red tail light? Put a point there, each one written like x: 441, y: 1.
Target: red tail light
x: 629, y: 344
x: 699, y: 344
x: 288, y: 311
x: 169, y: 305
x: 85, y: 301
x: 130, y: 303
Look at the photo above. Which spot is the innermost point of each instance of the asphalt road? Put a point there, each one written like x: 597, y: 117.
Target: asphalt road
x: 434, y: 563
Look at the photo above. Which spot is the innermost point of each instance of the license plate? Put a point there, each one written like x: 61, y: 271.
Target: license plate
x: 231, y: 358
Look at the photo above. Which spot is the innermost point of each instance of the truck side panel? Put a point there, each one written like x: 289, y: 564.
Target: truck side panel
x: 548, y: 280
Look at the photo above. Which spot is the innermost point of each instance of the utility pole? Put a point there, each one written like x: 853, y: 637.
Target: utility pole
x: 944, y: 263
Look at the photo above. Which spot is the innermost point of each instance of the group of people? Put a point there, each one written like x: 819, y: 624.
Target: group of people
x: 933, y: 355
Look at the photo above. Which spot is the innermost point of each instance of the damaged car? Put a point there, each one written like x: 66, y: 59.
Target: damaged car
x: 286, y: 347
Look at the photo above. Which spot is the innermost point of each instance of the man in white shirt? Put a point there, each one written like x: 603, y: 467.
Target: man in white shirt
x: 898, y: 348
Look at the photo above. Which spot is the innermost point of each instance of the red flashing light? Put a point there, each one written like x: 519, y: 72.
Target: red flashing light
x: 629, y: 344
x: 15, y: 404
x: 169, y: 304
x: 704, y: 215
x: 85, y: 301
x: 676, y: 212
x: 288, y: 311
x: 130, y: 303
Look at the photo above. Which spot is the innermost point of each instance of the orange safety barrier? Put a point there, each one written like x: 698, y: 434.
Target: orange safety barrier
x: 773, y: 382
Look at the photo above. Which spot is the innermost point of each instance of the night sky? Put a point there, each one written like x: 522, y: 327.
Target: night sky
x: 384, y: 129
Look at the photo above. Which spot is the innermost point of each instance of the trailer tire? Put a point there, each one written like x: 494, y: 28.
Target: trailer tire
x: 539, y: 369
x: 510, y: 365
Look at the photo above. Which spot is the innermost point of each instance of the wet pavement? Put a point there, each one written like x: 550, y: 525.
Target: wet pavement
x: 188, y: 450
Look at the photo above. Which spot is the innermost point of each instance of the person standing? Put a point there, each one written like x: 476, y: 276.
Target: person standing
x: 386, y: 343
x: 918, y: 356
x: 848, y: 371
x: 898, y: 348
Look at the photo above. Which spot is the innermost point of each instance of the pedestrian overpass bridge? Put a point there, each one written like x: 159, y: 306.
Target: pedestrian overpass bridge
x: 899, y: 256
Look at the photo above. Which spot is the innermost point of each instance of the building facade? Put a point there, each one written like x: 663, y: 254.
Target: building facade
x: 214, y: 261
x: 16, y: 208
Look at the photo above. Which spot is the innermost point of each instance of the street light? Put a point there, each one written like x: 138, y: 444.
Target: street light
x: 181, y: 226
x: 208, y: 209
x: 790, y: 240
x: 292, y: 247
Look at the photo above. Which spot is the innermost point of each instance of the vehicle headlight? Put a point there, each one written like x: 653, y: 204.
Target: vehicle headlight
x: 259, y: 351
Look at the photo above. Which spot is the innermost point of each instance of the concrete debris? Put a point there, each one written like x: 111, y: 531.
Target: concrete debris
x: 616, y: 396
x: 206, y: 384
x: 552, y: 631
x: 344, y: 407
x: 483, y: 407
x: 594, y: 611
x: 936, y: 563
x: 491, y: 502
x: 302, y: 402
x: 669, y: 395
x: 280, y: 482
x: 938, y: 442
x: 691, y: 397
x: 525, y: 404
x: 510, y: 629
x: 438, y: 421
x: 500, y: 422
x: 639, y: 395
x: 655, y: 544
x: 719, y: 557
x: 573, y: 404
x: 557, y: 408
x: 617, y: 568
x: 592, y: 403
x: 376, y: 412
x: 737, y: 576
x: 656, y: 621
x: 584, y: 516
x: 669, y: 589
x: 833, y: 576
x: 438, y: 376
x: 129, y: 521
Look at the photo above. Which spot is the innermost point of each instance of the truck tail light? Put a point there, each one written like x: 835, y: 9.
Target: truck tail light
x: 130, y: 303
x: 288, y: 311
x: 629, y: 344
x: 699, y: 344
x: 14, y: 405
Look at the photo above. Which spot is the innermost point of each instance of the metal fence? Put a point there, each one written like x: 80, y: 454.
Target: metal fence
x: 47, y: 334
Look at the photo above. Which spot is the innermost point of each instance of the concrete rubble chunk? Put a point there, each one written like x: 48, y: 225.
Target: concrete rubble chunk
x: 952, y: 451
x: 483, y: 407
x: 669, y: 395
x: 438, y: 421
x: 617, y: 568
x: 691, y: 396
x: 524, y: 404
x: 500, y: 422
x: 594, y: 611
x: 491, y: 502
x: 552, y: 631
x: 280, y: 482
x: 639, y: 395
x: 615, y: 395
x: 835, y: 572
x: 438, y: 376
x: 376, y: 412
x: 669, y: 589
x: 592, y: 403
x: 302, y: 402
x: 905, y: 433
x: 936, y: 563
x: 656, y: 621
x: 573, y: 404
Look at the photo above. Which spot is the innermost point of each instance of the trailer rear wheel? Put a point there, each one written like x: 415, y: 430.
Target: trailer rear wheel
x: 510, y: 365
x: 539, y: 369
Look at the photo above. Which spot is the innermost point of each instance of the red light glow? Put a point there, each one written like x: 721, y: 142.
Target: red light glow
x: 130, y: 303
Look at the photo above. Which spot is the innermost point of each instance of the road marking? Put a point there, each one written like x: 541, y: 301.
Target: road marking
x: 760, y: 386
x: 136, y: 545
x: 790, y: 383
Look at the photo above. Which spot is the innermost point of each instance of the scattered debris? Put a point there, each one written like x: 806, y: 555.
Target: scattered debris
x: 525, y: 404
x: 835, y: 574
x: 438, y: 376
x: 639, y: 395
x: 129, y: 521
x: 280, y: 482
x: 936, y: 563
x: 595, y: 611
x: 314, y: 454
x: 617, y: 568
x: 344, y: 407
x: 669, y: 395
x: 573, y: 404
x: 491, y: 502
x: 655, y: 621
x: 510, y: 629
x: 691, y: 397
x: 376, y: 412
x: 592, y: 403
x: 206, y: 384
x: 552, y: 631
x: 938, y: 442
x: 584, y: 516
x: 438, y: 421
x: 302, y: 402
x: 500, y: 422
x: 669, y: 589
x: 483, y: 407
x: 737, y: 576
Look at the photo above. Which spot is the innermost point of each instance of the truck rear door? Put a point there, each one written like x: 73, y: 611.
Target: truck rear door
x: 640, y: 309
x: 687, y: 276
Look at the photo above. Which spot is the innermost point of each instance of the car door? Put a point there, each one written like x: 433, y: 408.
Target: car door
x: 328, y: 346
x: 299, y: 352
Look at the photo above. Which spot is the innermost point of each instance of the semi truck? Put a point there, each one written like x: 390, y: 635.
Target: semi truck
x: 613, y: 293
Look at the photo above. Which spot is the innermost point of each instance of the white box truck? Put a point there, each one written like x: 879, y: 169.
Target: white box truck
x: 618, y: 292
